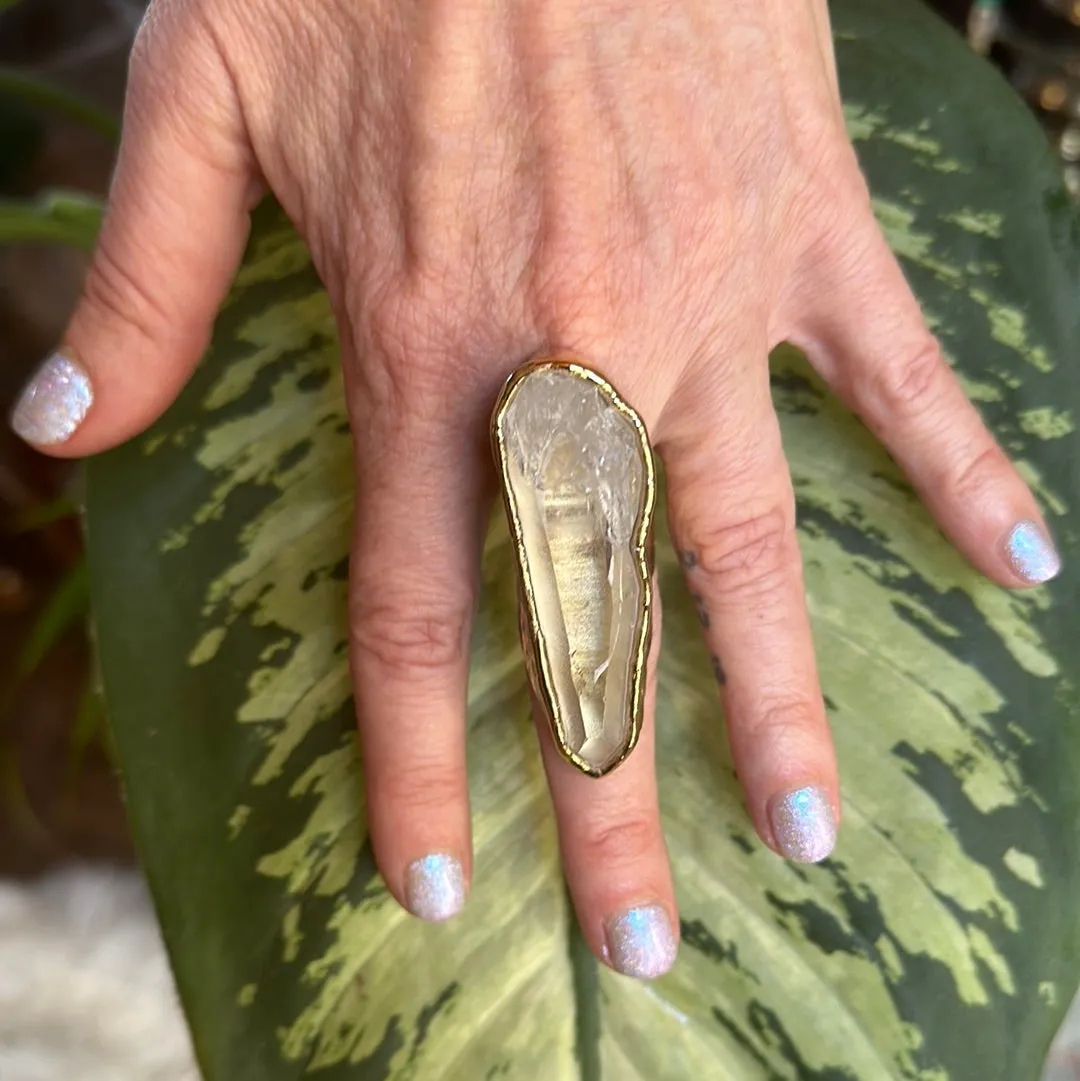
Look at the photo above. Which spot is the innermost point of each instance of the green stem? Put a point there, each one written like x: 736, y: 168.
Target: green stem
x: 54, y: 218
x: 37, y: 517
x: 29, y: 230
x: 45, y: 95
x: 14, y: 798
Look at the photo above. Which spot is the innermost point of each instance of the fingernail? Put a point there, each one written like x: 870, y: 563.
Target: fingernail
x: 1032, y: 553
x: 54, y: 403
x: 803, y: 824
x: 641, y: 942
x: 435, y: 887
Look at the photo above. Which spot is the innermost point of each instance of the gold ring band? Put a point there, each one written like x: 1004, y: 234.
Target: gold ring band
x: 579, y: 488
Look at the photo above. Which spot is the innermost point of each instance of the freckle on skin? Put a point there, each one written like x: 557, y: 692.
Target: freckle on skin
x: 688, y: 559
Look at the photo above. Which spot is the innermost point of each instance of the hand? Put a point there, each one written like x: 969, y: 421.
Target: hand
x: 663, y: 187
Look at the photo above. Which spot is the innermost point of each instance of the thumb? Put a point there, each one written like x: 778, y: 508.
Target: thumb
x: 171, y: 241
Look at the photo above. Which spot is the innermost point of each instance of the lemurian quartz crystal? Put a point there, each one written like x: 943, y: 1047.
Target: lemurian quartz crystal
x: 578, y: 486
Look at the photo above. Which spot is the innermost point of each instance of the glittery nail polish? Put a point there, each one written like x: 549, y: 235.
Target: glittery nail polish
x: 641, y: 942
x: 435, y: 887
x: 1032, y: 554
x: 54, y: 403
x: 803, y: 824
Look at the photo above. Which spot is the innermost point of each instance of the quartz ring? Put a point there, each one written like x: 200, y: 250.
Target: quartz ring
x: 579, y: 489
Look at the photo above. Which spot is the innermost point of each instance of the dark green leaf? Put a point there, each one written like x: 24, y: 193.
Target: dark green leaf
x: 91, y: 726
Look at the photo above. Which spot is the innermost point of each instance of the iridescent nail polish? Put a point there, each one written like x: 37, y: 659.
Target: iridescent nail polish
x: 54, y: 403
x: 803, y: 824
x: 1032, y: 554
x: 641, y: 942
x: 435, y: 887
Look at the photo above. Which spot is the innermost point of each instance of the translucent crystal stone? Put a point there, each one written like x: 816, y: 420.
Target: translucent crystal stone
x: 577, y: 483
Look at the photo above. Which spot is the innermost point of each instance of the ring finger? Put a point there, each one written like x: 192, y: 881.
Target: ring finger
x: 732, y: 510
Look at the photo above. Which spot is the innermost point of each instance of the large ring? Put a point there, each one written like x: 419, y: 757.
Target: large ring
x: 579, y: 489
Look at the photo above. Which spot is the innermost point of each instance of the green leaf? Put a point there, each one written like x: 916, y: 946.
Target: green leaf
x: 91, y: 726
x: 68, y: 605
x: 57, y: 217
x: 16, y: 801
x: 941, y: 940
x: 46, y: 95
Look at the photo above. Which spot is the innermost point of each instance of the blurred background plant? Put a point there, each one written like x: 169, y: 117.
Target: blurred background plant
x: 61, y: 84
x: 1036, y: 44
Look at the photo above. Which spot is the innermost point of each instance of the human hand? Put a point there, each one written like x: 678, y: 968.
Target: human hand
x: 662, y: 188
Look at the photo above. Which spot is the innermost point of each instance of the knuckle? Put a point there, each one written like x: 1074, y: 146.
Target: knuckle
x: 750, y: 557
x: 573, y: 291
x: 406, y: 331
x: 911, y: 386
x: 426, y: 787
x: 405, y: 639
x: 783, y: 724
x: 979, y: 473
x: 620, y: 841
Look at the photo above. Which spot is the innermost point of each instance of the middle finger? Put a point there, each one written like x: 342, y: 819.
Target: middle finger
x: 613, y: 850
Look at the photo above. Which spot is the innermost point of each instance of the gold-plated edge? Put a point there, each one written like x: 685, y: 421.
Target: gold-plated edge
x: 535, y: 657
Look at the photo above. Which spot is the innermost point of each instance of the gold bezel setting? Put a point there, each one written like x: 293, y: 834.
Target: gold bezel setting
x: 536, y: 659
